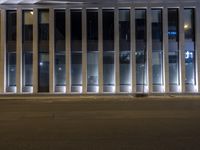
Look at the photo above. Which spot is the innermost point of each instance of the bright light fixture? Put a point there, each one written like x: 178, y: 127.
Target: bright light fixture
x: 186, y: 26
x: 31, y: 12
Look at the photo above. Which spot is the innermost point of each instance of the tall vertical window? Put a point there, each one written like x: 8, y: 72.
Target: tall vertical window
x: 11, y: 24
x: 189, y: 27
x: 92, y: 50
x: 157, y: 47
x: 108, y: 50
x: 27, y: 49
x: 43, y: 51
x: 141, y: 46
x: 173, y: 39
x: 124, y: 47
x: 60, y: 69
x: 76, y: 50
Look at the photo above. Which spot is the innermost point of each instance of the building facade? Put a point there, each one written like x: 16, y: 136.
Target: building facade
x: 86, y: 47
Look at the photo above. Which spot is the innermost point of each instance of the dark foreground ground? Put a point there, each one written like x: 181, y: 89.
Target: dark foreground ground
x: 100, y: 124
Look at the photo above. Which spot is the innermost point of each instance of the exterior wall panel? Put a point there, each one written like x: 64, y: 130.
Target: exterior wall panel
x: 108, y: 54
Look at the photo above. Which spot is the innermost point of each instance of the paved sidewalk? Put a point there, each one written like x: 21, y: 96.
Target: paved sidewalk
x: 106, y: 123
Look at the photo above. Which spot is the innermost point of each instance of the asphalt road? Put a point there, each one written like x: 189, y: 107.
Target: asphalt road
x: 100, y: 124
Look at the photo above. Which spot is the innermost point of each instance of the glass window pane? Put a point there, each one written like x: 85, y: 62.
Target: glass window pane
x: 27, y: 48
x: 60, y: 69
x: 125, y: 74
x: 108, y: 69
x: 76, y: 69
x: 43, y: 72
x: 189, y: 46
x: 173, y: 40
x: 157, y: 44
x: 140, y: 29
x: 124, y: 29
x: 27, y: 68
x: 108, y: 50
x: 11, y: 49
x: 11, y: 70
x: 76, y: 30
x: 76, y: 50
x: 92, y: 50
x: 108, y: 30
x: 124, y: 47
x: 92, y: 68
x: 92, y: 30
x: 43, y: 49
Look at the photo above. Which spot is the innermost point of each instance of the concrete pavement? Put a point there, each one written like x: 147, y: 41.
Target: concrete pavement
x: 104, y: 123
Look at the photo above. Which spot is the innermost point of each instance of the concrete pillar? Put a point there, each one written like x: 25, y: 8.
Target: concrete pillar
x: 84, y: 51
x: 35, y: 50
x: 165, y: 51
x: 51, y: 51
x: 197, y: 46
x: 100, y: 48
x: 19, y: 52
x: 133, y: 49
x: 149, y: 51
x: 181, y: 50
x: 3, y: 52
x: 68, y: 52
x: 116, y: 50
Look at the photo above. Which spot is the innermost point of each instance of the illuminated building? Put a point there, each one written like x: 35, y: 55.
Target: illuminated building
x: 85, y: 47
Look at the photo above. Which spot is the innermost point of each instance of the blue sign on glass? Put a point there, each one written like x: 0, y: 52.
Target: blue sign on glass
x: 171, y: 33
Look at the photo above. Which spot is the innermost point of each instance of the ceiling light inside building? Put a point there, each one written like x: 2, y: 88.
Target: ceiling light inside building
x: 185, y: 26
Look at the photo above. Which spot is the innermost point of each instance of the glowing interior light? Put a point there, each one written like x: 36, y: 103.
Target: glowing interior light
x: 188, y: 55
x: 80, y: 89
x: 63, y: 89
x: 31, y: 12
x: 113, y: 89
x: 41, y: 63
x: 97, y: 89
x: 179, y: 88
x: 129, y: 89
x: 185, y: 26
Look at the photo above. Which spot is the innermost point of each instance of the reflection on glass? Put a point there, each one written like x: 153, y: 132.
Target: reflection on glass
x: 140, y: 29
x: 76, y: 69
x: 43, y: 68
x: 92, y: 49
x: 108, y: 69
x: 189, y: 46
x: 108, y: 49
x: 92, y: 66
x: 76, y: 49
x: 60, y: 69
x: 124, y: 47
x: 173, y: 39
x: 27, y: 48
x: 10, y: 49
x: 157, y: 47
x: 43, y: 51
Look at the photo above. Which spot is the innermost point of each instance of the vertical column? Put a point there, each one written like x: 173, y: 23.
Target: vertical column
x: 19, y: 52
x: 197, y: 46
x: 68, y: 52
x: 100, y: 47
x: 149, y: 50
x: 181, y: 50
x: 51, y: 51
x: 133, y: 59
x: 3, y: 53
x: 84, y: 51
x: 116, y: 50
x: 165, y: 51
x: 35, y: 50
